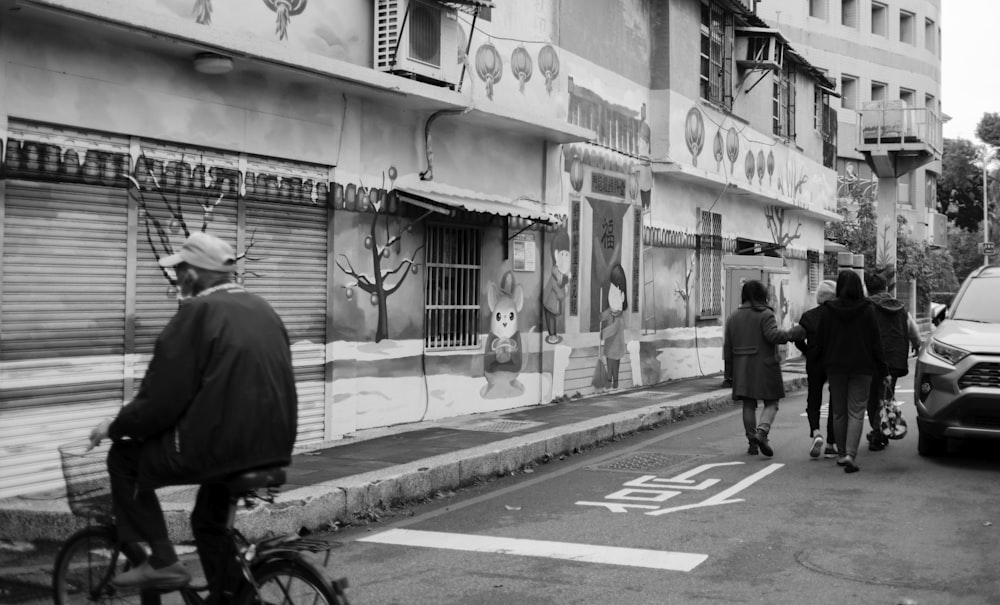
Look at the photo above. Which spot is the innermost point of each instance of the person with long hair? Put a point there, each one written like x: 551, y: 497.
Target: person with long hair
x: 613, y: 323
x: 750, y: 349
x: 850, y: 346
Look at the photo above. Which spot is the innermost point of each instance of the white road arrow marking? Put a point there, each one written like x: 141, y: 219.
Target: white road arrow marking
x: 722, y: 497
x: 584, y: 553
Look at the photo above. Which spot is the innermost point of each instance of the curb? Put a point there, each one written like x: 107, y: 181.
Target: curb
x: 317, y: 507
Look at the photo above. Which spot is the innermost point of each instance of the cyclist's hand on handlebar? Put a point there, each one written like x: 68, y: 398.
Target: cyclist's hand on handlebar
x: 99, y: 433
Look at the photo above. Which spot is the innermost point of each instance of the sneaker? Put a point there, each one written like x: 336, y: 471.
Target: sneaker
x: 144, y: 577
x: 830, y: 451
x: 817, y: 446
x: 850, y: 466
x: 761, y: 440
x: 752, y: 449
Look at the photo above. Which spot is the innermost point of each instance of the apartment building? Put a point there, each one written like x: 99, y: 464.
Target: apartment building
x: 880, y: 53
x: 456, y: 206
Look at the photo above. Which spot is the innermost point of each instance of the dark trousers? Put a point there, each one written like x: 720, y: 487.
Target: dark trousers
x: 613, y: 365
x: 139, y: 518
x: 816, y: 376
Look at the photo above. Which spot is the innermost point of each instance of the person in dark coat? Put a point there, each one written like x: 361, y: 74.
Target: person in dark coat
x: 850, y: 347
x: 218, y: 398
x: 900, y: 335
x: 749, y: 348
x: 815, y: 374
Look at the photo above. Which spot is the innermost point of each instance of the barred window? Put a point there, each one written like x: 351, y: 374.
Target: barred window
x: 815, y: 269
x: 710, y: 264
x: 451, y: 309
x: 717, y: 40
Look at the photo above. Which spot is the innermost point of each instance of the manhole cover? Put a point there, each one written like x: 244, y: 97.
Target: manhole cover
x: 502, y: 426
x: 645, y: 462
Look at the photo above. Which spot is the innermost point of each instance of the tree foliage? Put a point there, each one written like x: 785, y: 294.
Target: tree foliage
x: 931, y: 269
x: 960, y: 185
x: 988, y: 129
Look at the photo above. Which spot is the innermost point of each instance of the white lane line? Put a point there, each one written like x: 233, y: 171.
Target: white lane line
x: 585, y: 553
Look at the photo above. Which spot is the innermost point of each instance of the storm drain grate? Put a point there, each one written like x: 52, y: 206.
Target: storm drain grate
x: 644, y: 395
x: 502, y: 426
x: 646, y: 462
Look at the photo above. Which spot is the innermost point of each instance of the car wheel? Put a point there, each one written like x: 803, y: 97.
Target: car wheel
x: 929, y: 445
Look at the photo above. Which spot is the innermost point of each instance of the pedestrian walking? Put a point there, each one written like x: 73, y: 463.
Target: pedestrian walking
x: 750, y: 349
x: 850, y: 348
x: 815, y: 373
x: 900, y: 335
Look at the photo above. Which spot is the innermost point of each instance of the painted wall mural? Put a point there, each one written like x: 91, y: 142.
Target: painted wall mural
x: 489, y: 67
x: 554, y: 297
x: 606, y: 252
x: 613, y: 324
x: 383, y: 275
x: 502, y: 356
x: 284, y: 10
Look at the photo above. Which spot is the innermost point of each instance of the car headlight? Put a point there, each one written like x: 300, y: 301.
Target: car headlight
x: 948, y: 353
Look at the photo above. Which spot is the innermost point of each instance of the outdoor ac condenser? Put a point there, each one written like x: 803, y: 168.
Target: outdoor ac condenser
x: 417, y: 39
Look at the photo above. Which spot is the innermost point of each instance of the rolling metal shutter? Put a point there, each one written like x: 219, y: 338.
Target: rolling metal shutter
x: 180, y: 189
x: 286, y: 246
x: 62, y: 301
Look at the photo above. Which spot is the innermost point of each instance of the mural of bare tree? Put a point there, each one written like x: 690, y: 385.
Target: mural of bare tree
x: 684, y: 292
x: 780, y: 233
x: 158, y: 226
x: 383, y: 240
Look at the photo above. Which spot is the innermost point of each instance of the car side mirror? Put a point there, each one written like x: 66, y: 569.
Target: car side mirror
x: 939, y: 316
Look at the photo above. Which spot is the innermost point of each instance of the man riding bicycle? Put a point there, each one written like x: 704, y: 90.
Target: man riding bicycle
x: 218, y: 398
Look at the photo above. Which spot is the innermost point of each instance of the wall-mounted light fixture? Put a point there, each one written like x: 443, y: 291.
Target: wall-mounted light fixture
x: 213, y: 63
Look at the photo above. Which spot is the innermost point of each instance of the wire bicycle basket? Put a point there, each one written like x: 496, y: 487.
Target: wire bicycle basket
x: 88, y: 487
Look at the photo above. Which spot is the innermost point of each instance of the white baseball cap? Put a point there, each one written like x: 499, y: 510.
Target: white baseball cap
x: 204, y: 251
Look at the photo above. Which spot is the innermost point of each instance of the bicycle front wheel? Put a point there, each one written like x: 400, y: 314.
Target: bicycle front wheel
x: 84, y: 567
x: 288, y: 582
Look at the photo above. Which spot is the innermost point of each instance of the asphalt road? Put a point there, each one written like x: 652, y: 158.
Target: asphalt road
x: 683, y: 515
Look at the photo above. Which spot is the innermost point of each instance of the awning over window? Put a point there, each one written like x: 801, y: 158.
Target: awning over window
x: 440, y: 197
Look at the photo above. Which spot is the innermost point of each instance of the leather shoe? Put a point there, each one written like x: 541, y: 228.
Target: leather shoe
x: 761, y: 439
x: 145, y: 577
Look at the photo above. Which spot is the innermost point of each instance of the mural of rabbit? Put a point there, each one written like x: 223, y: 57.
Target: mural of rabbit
x: 502, y: 356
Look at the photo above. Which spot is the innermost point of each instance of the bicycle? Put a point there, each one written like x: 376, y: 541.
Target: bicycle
x: 273, y: 571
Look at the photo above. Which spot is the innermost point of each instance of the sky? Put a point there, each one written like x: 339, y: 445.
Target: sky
x: 970, y: 84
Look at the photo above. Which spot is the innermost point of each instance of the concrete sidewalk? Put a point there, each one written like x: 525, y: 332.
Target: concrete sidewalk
x: 353, y: 477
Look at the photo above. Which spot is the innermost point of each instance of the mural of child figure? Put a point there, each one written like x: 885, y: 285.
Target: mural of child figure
x: 503, y: 355
x: 555, y: 287
x: 613, y: 323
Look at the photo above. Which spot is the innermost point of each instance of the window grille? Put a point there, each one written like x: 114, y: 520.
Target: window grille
x: 717, y: 40
x: 710, y: 264
x: 815, y: 269
x: 783, y: 114
x: 451, y: 309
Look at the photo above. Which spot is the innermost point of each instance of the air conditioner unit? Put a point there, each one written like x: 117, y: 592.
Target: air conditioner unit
x: 417, y: 39
x: 759, y: 48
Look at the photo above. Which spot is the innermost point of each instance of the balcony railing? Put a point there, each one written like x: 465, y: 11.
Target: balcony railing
x: 893, y: 125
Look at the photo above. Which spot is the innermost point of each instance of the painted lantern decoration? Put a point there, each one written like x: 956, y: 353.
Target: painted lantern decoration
x: 749, y: 166
x: 717, y: 149
x: 203, y: 12
x: 760, y: 167
x: 732, y: 148
x: 284, y: 11
x: 694, y: 133
x: 548, y: 64
x: 489, y: 66
x: 576, y: 173
x: 770, y: 166
x: 521, y: 66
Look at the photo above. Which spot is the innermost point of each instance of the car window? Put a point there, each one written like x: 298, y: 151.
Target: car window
x: 979, y: 301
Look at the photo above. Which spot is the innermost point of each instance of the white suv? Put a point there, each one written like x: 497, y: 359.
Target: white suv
x: 957, y: 382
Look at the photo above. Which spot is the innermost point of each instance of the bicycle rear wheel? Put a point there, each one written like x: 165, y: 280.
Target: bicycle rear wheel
x: 85, y: 565
x: 288, y: 582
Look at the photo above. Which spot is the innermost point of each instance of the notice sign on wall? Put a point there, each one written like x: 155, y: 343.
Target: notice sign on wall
x: 524, y: 252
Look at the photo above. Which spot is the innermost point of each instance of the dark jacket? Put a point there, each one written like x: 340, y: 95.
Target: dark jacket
x: 810, y: 323
x: 749, y: 347
x: 897, y: 338
x: 218, y: 396
x: 848, y: 340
